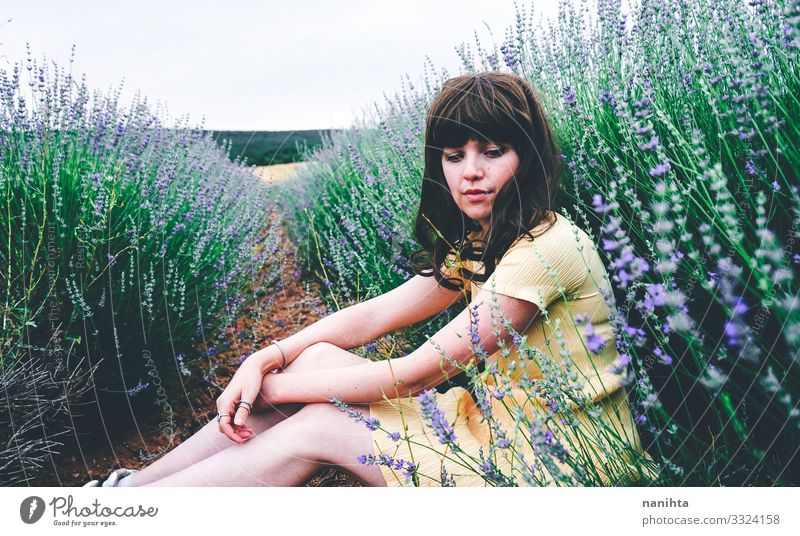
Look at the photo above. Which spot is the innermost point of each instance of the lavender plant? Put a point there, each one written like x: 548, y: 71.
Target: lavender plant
x: 677, y: 122
x: 125, y: 243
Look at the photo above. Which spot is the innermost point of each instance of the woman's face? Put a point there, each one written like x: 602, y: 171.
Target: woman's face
x: 475, y: 173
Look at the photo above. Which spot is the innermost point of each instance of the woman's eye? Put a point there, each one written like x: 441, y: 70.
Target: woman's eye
x: 491, y: 153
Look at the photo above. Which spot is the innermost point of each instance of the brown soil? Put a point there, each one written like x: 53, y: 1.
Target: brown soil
x: 293, y: 306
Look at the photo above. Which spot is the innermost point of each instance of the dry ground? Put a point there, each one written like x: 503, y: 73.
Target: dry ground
x: 278, y: 172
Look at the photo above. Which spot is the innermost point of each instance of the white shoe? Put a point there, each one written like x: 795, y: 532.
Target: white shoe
x: 113, y: 479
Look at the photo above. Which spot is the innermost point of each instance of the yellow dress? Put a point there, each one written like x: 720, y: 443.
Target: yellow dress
x: 561, y: 272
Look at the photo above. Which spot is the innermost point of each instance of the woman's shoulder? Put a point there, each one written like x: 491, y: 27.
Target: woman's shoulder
x: 556, y: 239
x: 552, y: 228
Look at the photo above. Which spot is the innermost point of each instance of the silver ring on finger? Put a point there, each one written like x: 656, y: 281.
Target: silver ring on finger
x: 248, y: 405
x: 221, y: 415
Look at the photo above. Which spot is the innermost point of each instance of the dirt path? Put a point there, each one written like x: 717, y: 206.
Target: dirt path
x: 278, y: 172
x: 292, y: 309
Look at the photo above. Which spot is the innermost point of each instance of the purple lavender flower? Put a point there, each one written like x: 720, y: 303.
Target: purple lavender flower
x: 410, y: 471
x: 660, y: 170
x: 133, y: 391
x: 435, y: 418
x: 599, y: 205
x: 503, y: 442
x: 629, y: 268
x: 608, y: 97
x: 370, y: 422
x: 509, y: 55
x: 517, y: 340
x: 663, y: 356
x: 581, y: 319
x: 473, y: 326
x: 649, y: 146
x: 492, y: 474
x: 447, y: 480
x: 388, y: 461
x: 594, y: 342
x: 654, y: 297
x: 394, y: 436
x: 569, y: 96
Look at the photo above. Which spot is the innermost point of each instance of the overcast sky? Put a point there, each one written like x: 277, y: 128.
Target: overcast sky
x: 253, y: 65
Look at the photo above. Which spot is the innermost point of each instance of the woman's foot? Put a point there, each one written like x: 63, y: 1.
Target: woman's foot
x: 119, y: 478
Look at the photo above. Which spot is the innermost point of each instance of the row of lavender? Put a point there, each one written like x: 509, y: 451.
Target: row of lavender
x: 126, y: 246
x: 678, y: 127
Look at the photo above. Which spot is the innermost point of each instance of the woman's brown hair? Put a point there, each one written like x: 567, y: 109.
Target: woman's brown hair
x: 501, y: 108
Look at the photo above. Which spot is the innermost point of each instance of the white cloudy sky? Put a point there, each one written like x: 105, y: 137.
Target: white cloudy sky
x: 254, y: 65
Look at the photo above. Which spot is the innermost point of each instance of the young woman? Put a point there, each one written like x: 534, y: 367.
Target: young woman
x: 487, y: 220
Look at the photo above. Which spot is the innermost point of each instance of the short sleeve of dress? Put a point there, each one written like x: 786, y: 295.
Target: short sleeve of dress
x: 540, y: 270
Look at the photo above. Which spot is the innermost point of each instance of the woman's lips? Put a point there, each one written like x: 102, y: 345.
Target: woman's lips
x: 476, y: 196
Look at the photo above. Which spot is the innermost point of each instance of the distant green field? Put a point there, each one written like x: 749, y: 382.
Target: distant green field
x: 263, y: 148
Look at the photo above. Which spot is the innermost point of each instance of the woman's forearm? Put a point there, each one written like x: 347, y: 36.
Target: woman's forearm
x: 347, y: 328
x: 365, y: 383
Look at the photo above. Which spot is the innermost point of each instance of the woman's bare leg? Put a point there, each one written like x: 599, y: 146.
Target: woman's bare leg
x: 289, y: 453
x: 208, y: 441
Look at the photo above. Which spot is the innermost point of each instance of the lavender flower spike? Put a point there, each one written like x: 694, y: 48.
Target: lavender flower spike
x: 435, y: 418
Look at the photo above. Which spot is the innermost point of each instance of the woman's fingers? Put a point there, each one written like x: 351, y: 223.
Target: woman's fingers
x: 244, y: 407
x: 227, y: 411
x: 245, y: 432
x: 236, y: 403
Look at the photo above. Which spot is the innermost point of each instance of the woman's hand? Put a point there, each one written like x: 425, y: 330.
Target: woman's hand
x: 243, y: 387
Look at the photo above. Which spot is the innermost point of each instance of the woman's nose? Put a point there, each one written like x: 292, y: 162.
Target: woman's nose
x: 472, y: 167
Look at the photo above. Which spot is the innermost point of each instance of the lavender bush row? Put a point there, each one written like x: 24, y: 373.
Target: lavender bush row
x: 677, y: 124
x: 124, y: 243
x: 682, y: 151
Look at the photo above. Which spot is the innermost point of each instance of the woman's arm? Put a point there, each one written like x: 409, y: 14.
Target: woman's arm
x: 413, y: 301
x: 422, y: 369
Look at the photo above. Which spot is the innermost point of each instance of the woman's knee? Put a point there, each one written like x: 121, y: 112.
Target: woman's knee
x: 327, y: 432
x: 322, y: 434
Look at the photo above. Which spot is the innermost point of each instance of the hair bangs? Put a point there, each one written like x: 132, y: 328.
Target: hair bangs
x: 473, y: 117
